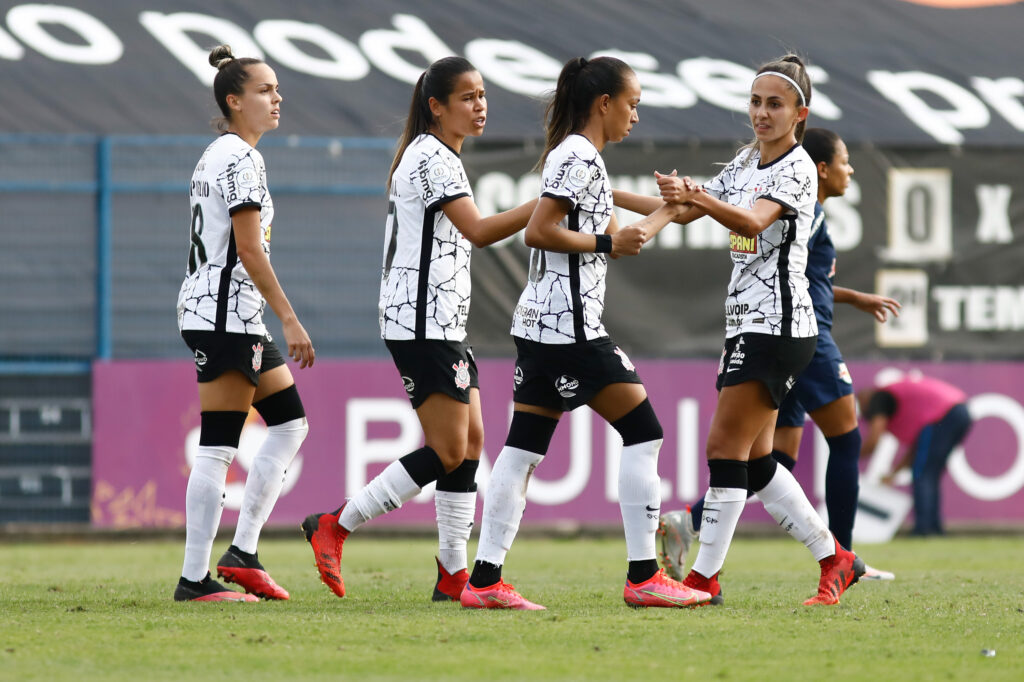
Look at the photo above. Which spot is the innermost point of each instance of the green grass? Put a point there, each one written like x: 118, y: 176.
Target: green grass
x: 102, y: 611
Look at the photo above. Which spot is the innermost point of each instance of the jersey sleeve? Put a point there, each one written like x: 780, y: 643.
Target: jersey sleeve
x: 716, y: 186
x: 440, y: 178
x: 567, y: 175
x: 793, y: 186
x: 241, y: 184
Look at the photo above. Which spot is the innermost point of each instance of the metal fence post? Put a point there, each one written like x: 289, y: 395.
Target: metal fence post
x: 104, y: 245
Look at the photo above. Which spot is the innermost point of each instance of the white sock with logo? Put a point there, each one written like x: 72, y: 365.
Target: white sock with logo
x: 388, y: 491
x: 455, y: 512
x: 786, y: 502
x: 640, y: 498
x: 204, y: 502
x: 722, y: 509
x: 265, y: 480
x: 505, y: 503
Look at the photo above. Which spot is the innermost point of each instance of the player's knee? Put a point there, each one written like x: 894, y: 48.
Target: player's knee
x: 282, y: 407
x: 221, y: 429
x: 640, y: 425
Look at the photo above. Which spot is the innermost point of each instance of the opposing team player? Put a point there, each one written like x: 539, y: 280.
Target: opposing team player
x: 228, y: 281
x: 432, y: 225
x: 565, y: 356
x: 765, y: 197
x: 824, y: 389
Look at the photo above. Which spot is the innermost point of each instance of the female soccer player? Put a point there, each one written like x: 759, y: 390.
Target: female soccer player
x: 825, y: 388
x: 228, y: 281
x: 765, y: 197
x: 565, y: 357
x: 431, y: 227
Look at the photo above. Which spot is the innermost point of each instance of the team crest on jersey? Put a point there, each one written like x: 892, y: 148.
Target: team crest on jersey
x: 257, y: 357
x: 517, y: 376
x: 567, y: 386
x: 625, y: 360
x: 409, y: 384
x: 200, y: 360
x: 844, y: 373
x: 461, y: 374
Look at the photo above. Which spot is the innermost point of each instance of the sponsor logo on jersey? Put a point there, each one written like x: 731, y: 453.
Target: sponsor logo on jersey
x: 439, y: 172
x: 257, y: 357
x: 517, y: 376
x: 578, y: 175
x: 740, y: 244
x: 248, y: 178
x: 625, y: 360
x: 409, y: 385
x: 200, y: 360
x: 844, y: 373
x: 461, y: 374
x: 566, y: 386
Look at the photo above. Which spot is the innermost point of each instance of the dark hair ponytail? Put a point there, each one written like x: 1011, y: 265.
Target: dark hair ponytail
x: 232, y: 73
x: 438, y: 81
x: 792, y: 66
x: 579, y: 84
x: 821, y: 145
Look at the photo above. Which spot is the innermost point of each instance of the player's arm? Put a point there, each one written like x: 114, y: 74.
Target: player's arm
x: 743, y: 221
x: 480, y: 231
x: 876, y: 427
x: 645, y: 205
x: 245, y: 224
x: 544, y: 232
x: 873, y: 304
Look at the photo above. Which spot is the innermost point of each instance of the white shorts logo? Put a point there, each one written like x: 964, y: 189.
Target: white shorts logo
x: 517, y: 376
x: 844, y: 373
x: 409, y: 384
x: 566, y: 386
x: 257, y: 357
x: 625, y: 360
x: 200, y: 360
x: 461, y: 374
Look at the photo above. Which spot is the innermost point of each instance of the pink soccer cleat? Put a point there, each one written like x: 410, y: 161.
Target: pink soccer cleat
x: 661, y: 590
x: 500, y: 595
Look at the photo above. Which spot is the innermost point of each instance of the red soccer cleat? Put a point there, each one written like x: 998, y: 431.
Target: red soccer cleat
x: 500, y: 595
x: 838, y: 572
x: 246, y: 571
x: 661, y: 590
x: 710, y: 585
x: 449, y: 585
x: 207, y: 589
x: 326, y: 537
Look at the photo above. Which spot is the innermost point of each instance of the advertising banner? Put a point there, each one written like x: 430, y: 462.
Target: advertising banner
x: 360, y: 420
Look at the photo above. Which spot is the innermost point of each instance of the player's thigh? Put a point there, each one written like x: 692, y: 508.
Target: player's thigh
x: 787, y: 439
x: 273, y: 381
x: 445, y: 423
x: 615, y: 401
x: 837, y: 417
x: 475, y: 435
x: 740, y: 416
x: 231, y: 391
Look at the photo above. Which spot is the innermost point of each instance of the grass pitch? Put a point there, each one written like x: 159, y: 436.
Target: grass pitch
x: 103, y: 611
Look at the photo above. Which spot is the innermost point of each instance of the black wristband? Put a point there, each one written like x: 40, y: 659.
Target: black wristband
x: 604, y: 243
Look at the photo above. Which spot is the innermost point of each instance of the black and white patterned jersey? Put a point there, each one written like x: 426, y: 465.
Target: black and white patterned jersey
x: 425, y: 283
x: 564, y: 298
x: 218, y: 294
x: 768, y: 290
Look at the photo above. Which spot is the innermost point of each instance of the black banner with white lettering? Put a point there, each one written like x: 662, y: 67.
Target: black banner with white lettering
x: 940, y: 232
x: 885, y: 71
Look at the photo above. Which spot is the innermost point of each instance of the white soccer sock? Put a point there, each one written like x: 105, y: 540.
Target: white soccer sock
x: 722, y: 509
x: 640, y: 498
x: 204, y: 502
x: 266, y: 477
x: 505, y: 503
x: 455, y: 512
x: 387, y: 492
x: 785, y: 501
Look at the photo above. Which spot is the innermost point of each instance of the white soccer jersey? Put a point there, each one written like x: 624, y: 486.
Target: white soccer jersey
x: 564, y: 297
x: 218, y: 294
x: 768, y: 290
x: 425, y: 284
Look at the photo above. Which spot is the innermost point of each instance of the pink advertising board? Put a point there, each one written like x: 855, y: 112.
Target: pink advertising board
x: 146, y: 429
